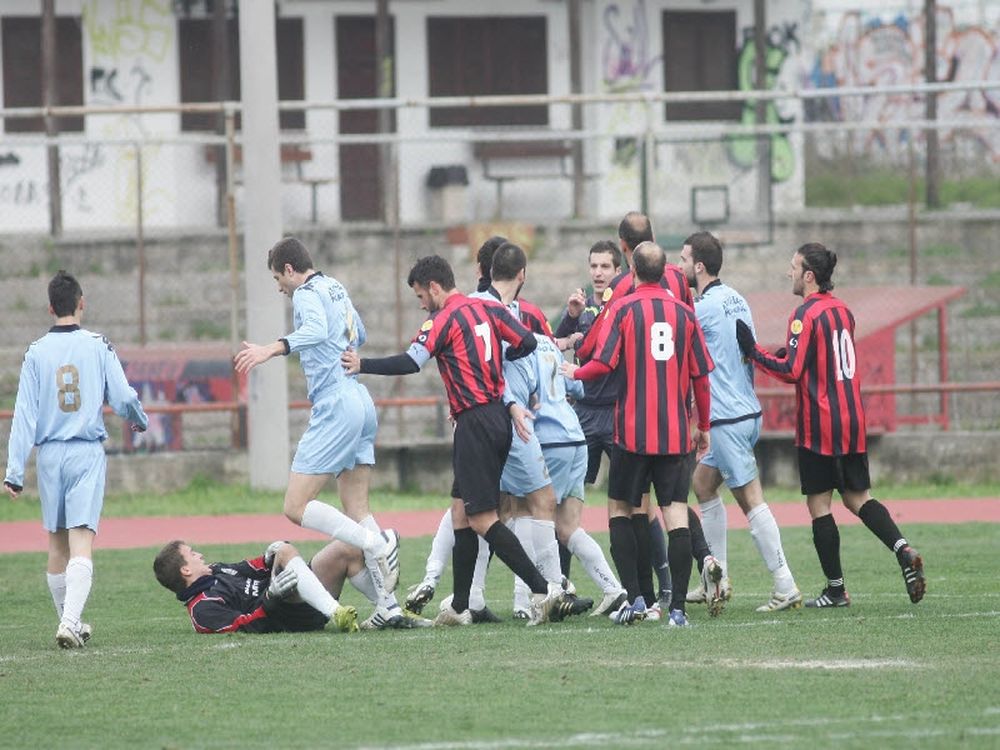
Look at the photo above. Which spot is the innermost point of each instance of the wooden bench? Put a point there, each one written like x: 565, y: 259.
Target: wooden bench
x: 291, y: 153
x: 556, y: 152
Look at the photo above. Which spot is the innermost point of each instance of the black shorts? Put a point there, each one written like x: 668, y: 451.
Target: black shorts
x: 819, y: 473
x: 479, y: 451
x: 619, y: 478
x: 296, y: 617
x: 670, y: 476
x: 598, y: 423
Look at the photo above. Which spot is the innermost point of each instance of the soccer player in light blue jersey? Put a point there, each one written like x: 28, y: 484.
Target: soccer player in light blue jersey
x: 535, y: 381
x: 735, y: 425
x: 66, y: 378
x: 340, y: 438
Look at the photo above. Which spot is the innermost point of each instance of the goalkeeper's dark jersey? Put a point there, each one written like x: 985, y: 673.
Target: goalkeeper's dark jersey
x: 232, y: 598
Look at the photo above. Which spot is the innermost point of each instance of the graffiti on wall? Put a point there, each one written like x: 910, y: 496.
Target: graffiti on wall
x: 627, y: 62
x: 869, y: 50
x: 782, y: 42
x: 130, y: 40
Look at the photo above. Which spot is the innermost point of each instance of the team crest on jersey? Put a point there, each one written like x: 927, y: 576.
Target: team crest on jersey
x: 796, y: 327
x: 607, y: 294
x: 428, y: 325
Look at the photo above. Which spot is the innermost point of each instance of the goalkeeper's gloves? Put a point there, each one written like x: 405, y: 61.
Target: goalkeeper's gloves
x: 270, y: 552
x: 283, y: 584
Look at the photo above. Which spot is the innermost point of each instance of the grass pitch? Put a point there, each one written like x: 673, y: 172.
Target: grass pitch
x: 883, y: 672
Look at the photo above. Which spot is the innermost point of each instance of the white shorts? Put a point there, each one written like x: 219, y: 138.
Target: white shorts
x: 71, y: 483
x: 568, y: 470
x: 341, y: 432
x: 525, y: 470
x: 732, y: 451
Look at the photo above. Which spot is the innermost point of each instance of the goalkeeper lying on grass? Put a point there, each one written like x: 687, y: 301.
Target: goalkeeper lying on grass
x: 276, y: 592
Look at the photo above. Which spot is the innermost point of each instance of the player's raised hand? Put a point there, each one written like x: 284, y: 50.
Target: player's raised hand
x: 575, y: 303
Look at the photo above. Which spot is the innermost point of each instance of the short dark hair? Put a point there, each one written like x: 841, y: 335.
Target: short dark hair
x: 706, y: 249
x: 290, y: 251
x: 167, y: 566
x: 634, y: 229
x: 819, y: 260
x: 607, y: 246
x: 485, y: 255
x: 64, y: 294
x: 508, y: 261
x: 649, y: 260
x: 432, y: 268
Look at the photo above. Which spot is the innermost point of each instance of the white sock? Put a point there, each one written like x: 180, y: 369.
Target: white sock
x: 765, y: 534
x: 362, y: 581
x: 57, y: 587
x: 310, y: 590
x: 328, y: 520
x: 713, y: 521
x: 546, y: 550
x: 79, y: 577
x: 477, y: 596
x: 441, y: 547
x: 521, y: 526
x: 384, y: 598
x: 590, y: 555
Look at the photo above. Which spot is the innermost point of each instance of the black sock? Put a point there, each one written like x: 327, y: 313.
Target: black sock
x: 623, y: 553
x: 463, y: 564
x: 699, y: 545
x: 680, y: 565
x: 658, y: 549
x: 876, y: 517
x: 643, y: 556
x: 826, y: 539
x: 510, y: 551
x: 565, y: 558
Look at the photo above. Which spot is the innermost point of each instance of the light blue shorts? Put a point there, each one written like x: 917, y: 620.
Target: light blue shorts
x: 525, y: 470
x: 732, y: 451
x: 71, y: 483
x: 341, y: 432
x: 568, y: 469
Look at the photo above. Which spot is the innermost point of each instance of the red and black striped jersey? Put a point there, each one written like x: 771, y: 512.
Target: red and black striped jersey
x: 658, y: 342
x: 674, y: 281
x: 822, y: 363
x: 465, y: 336
x: 533, y: 318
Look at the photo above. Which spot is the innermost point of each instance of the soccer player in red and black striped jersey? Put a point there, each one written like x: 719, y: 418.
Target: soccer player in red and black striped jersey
x: 820, y: 359
x: 658, y: 342
x: 634, y: 229
x: 465, y: 335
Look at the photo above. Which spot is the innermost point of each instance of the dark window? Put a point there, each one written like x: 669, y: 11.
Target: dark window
x: 699, y: 54
x: 22, y: 70
x: 199, y: 60
x: 487, y: 55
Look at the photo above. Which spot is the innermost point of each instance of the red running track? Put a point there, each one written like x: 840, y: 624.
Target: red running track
x: 124, y: 533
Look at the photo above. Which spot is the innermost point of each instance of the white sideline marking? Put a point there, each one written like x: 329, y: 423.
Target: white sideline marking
x: 750, y: 733
x: 817, y: 664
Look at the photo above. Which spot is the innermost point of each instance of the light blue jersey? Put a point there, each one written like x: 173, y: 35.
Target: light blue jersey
x: 326, y: 325
x: 66, y: 378
x: 538, y: 376
x: 731, y: 381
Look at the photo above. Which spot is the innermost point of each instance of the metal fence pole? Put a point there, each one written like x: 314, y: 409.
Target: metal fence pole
x: 237, y: 418
x: 140, y: 241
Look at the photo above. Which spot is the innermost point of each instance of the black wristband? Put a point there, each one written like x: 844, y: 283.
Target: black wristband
x: 288, y: 349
